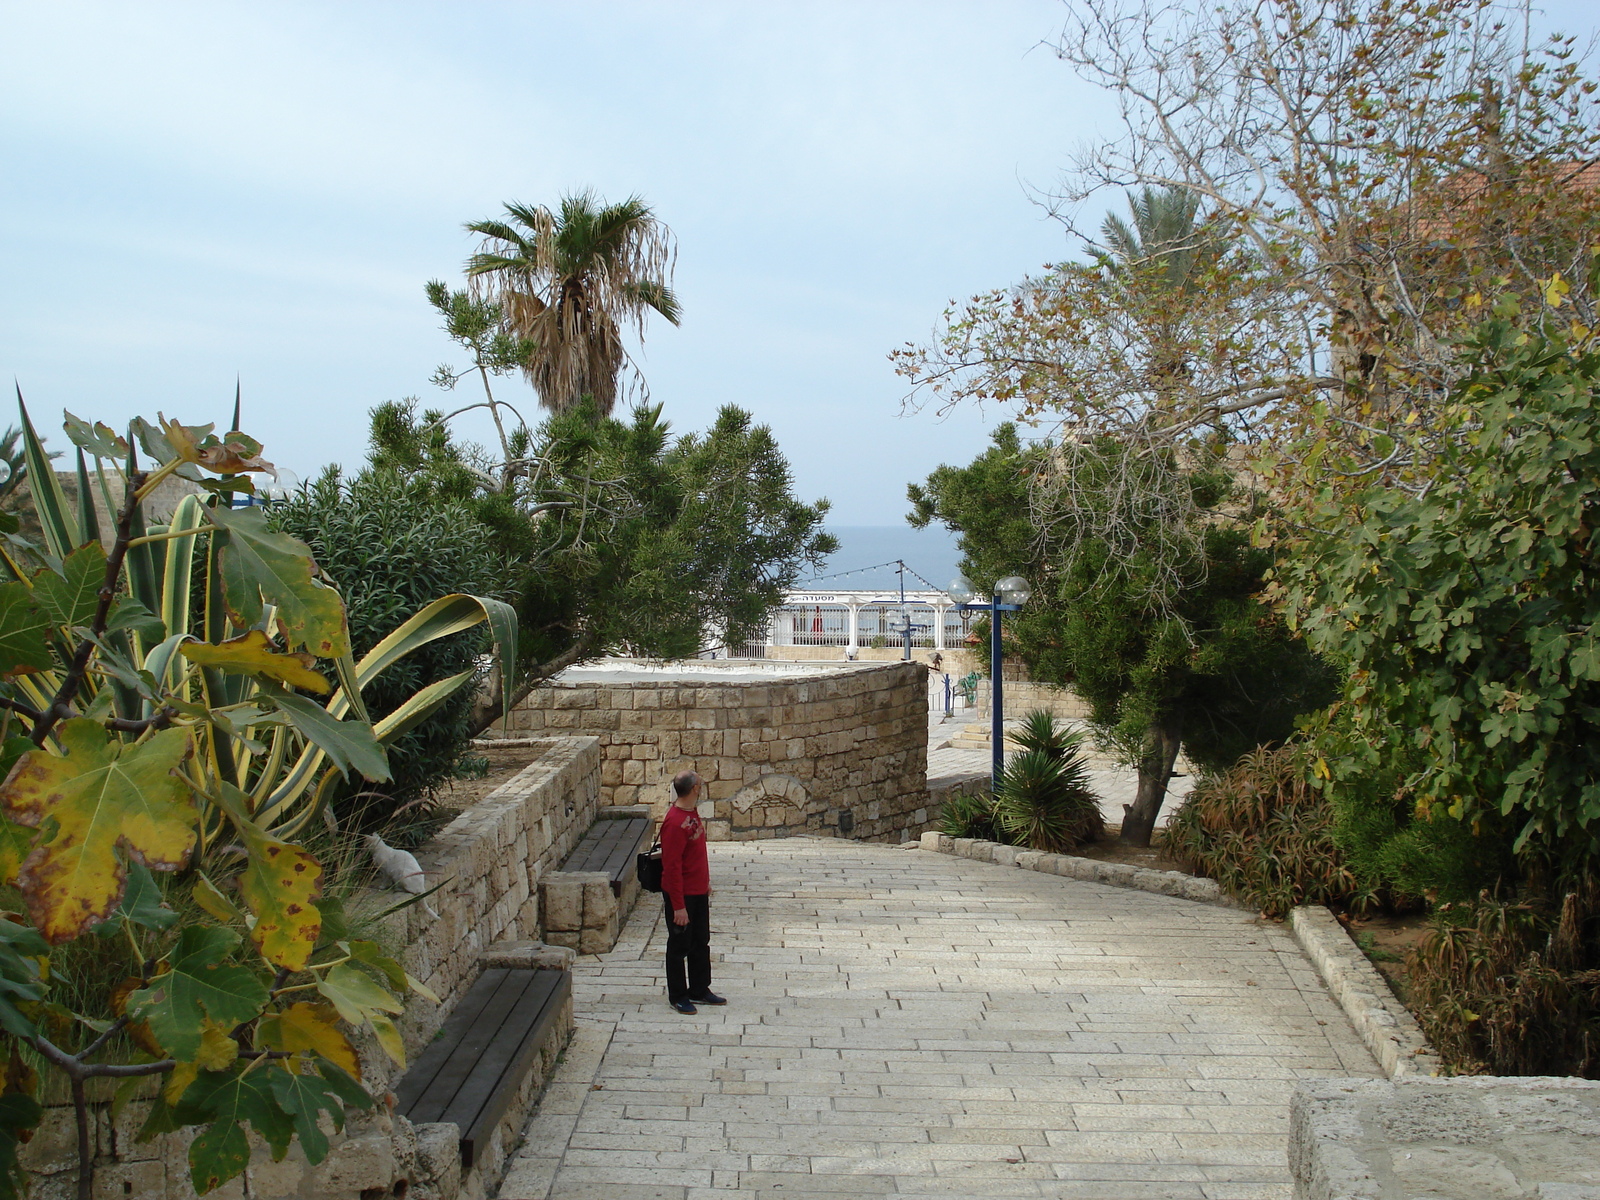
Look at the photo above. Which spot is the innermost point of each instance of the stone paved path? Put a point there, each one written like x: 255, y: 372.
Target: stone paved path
x: 911, y: 1024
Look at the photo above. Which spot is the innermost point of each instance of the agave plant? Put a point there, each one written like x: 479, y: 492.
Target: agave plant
x: 164, y: 713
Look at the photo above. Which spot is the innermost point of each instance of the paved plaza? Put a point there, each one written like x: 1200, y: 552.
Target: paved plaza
x: 910, y: 1024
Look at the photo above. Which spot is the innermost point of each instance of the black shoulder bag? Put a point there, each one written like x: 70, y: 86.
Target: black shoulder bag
x: 649, y: 868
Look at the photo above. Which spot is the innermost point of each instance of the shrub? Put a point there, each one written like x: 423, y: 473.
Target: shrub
x: 1266, y: 835
x: 971, y: 815
x: 1513, y: 988
x: 1044, y: 800
x: 391, y: 547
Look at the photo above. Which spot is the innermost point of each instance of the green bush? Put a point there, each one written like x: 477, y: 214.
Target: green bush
x: 392, y: 546
x: 1267, y: 836
x: 971, y: 815
x: 1512, y: 988
x: 1044, y: 800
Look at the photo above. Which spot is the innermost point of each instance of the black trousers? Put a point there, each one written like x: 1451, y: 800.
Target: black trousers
x: 689, y: 950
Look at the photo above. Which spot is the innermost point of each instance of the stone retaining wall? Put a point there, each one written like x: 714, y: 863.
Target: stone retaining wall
x: 839, y: 749
x: 490, y: 859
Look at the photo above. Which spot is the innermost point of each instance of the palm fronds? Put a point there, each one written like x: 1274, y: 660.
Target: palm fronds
x: 568, y: 281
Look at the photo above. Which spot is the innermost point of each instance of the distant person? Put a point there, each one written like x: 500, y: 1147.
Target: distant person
x: 686, y: 892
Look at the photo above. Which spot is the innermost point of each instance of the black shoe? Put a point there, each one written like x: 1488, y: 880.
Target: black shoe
x: 686, y: 1007
x: 709, y: 998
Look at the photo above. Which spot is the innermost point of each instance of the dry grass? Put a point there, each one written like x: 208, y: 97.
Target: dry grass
x: 1509, y: 988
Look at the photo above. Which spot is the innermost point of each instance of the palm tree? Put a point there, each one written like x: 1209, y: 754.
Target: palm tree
x: 1166, y: 233
x: 567, y: 281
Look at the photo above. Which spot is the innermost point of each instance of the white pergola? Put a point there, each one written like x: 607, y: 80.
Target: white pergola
x: 852, y: 603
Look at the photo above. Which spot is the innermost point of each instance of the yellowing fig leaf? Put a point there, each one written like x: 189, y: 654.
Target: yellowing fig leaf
x: 309, y: 1027
x: 15, y: 843
x: 253, y: 654
x: 225, y: 456
x: 211, y: 899
x: 217, y: 1049
x: 178, y: 1080
x: 389, y: 1038
x: 262, y: 567
x: 356, y: 994
x: 279, y: 883
x: 198, y: 985
x: 99, y: 795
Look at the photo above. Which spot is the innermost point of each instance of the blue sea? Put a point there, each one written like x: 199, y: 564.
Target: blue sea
x: 864, y: 551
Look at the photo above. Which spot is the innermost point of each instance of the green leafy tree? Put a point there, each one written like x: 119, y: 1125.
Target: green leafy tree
x: 566, y: 282
x: 622, y: 538
x: 392, y: 548
x: 1466, y: 610
x: 169, y: 732
x: 1210, y: 671
x: 619, y: 536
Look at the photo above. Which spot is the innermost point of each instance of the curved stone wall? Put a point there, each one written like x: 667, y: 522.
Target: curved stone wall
x: 837, y: 748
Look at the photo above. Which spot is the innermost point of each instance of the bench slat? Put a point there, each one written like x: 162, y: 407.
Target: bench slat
x: 596, y: 849
x: 466, y: 1044
x: 462, y: 1018
x: 471, y: 1073
x: 482, y: 1101
x: 609, y: 847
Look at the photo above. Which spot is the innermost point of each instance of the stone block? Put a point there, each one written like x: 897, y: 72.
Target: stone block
x: 439, y: 1159
x: 356, y: 1165
x: 563, y: 903
x: 598, y: 902
x: 54, y: 1145
x: 567, y: 938
x: 270, y: 1180
x: 148, y: 1178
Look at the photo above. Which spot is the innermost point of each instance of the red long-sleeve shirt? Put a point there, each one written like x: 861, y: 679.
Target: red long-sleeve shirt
x: 684, y: 869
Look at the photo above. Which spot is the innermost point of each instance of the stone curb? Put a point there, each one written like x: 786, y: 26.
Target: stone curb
x: 1388, y: 1029
x: 1068, y: 866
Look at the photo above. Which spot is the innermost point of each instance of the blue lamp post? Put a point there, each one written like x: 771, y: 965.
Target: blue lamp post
x: 1010, y: 594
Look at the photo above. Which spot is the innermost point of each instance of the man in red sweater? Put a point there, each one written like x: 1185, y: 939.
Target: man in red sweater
x: 686, y: 891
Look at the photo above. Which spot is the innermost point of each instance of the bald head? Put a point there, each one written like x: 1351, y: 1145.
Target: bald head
x: 684, y: 782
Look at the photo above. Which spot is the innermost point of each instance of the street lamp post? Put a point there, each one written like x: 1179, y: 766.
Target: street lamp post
x: 1009, y: 595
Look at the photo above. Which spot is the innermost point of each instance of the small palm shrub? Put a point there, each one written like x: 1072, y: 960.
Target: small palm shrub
x: 1512, y: 988
x: 1266, y: 835
x: 1044, y: 800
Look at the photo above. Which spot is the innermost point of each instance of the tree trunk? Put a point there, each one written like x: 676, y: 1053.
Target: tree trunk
x: 489, y: 709
x: 1155, y: 770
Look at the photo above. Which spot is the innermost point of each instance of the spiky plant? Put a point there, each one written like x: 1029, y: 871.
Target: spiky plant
x: 1044, y: 800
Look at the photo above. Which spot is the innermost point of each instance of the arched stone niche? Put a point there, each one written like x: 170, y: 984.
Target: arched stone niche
x: 775, y: 801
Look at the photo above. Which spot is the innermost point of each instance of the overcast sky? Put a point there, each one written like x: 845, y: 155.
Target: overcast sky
x: 194, y: 191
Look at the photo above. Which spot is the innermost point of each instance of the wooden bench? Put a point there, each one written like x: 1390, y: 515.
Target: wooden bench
x: 483, y: 1055
x: 611, y: 847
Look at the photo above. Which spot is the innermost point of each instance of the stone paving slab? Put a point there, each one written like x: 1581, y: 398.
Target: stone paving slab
x: 910, y: 1024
